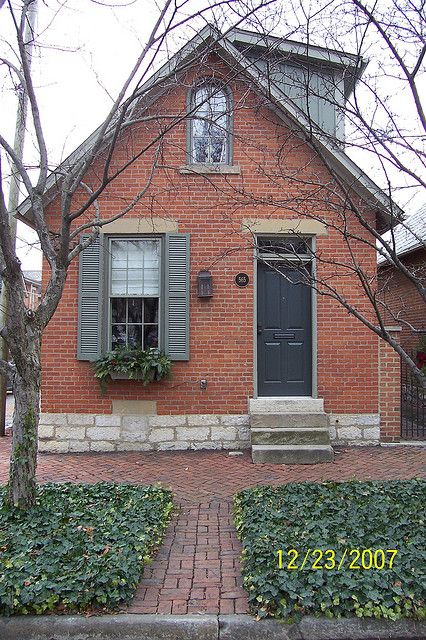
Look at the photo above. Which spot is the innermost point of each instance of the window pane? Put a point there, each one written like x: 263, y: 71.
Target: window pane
x: 118, y: 335
x: 151, y: 252
x: 201, y: 149
x: 118, y: 282
x: 201, y: 96
x: 296, y: 246
x: 151, y: 310
x: 151, y: 336
x: 118, y: 254
x: 118, y: 310
x: 135, y: 310
x: 134, y: 335
x: 217, y: 131
x: 135, y: 255
x: 218, y: 150
x: 218, y: 102
x: 200, y: 127
x: 151, y: 282
x: 135, y: 284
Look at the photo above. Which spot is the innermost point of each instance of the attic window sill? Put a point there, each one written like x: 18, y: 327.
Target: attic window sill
x: 201, y: 169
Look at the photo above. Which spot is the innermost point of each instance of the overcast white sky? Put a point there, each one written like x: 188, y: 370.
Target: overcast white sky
x: 87, y: 50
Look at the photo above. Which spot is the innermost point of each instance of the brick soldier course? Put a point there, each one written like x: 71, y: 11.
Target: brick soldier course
x: 197, y: 568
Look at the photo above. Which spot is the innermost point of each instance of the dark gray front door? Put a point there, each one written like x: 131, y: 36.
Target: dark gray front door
x: 284, y: 333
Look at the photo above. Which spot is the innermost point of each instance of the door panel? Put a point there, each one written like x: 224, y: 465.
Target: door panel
x: 284, y: 345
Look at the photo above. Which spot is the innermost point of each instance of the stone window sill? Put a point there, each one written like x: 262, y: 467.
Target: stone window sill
x: 201, y: 169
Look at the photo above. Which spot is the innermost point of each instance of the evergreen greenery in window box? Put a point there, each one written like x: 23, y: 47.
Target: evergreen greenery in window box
x: 124, y: 363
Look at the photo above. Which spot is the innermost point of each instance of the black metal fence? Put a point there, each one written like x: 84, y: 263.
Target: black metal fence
x: 413, y: 404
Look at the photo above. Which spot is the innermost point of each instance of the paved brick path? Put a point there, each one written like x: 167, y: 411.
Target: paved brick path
x: 197, y: 568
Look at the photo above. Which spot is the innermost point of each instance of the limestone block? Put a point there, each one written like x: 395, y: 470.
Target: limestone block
x: 70, y: 432
x: 134, y: 428
x: 244, y: 434
x: 166, y: 421
x: 134, y: 407
x: 192, y: 433
x: 349, y: 433
x: 103, y: 433
x: 172, y: 446
x: 235, y: 445
x: 53, y: 418
x: 135, y: 422
x: 202, y: 420
x: 108, y: 421
x: 235, y: 421
x: 79, y: 446
x: 81, y: 418
x: 333, y: 432
x: 53, y: 446
x: 133, y: 445
x: 205, y: 446
x: 102, y: 445
x: 161, y: 435
x: 358, y: 419
x: 45, y: 431
x: 372, y: 433
x: 223, y: 433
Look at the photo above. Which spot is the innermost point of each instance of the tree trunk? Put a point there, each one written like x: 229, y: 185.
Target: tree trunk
x: 23, y: 460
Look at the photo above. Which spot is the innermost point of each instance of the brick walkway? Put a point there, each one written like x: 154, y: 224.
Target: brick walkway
x: 197, y: 568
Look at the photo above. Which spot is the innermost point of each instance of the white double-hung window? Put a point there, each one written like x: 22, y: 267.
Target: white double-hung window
x: 134, y: 292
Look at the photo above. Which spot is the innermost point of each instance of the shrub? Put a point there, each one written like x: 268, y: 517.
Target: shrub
x: 80, y: 547
x: 335, y: 516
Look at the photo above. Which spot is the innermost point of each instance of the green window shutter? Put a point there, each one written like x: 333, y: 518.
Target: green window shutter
x: 177, y: 296
x: 90, y: 286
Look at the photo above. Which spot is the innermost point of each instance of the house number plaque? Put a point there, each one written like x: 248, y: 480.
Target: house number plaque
x: 242, y: 279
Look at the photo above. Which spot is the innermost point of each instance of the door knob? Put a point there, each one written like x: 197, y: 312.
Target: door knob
x: 259, y: 329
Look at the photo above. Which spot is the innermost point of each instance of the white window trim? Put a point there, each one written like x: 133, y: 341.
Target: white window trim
x: 109, y: 295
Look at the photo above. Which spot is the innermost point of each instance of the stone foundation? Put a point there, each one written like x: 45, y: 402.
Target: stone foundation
x: 80, y: 432
x: 354, y: 428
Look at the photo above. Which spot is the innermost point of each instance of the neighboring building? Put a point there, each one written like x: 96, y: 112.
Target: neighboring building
x: 32, y: 282
x: 262, y: 361
x: 399, y: 294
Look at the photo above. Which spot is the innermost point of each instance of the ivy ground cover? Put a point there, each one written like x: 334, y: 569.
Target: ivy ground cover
x: 81, y: 547
x: 328, y: 549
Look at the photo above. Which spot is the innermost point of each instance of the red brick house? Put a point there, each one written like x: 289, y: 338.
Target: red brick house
x: 263, y: 361
x: 399, y: 294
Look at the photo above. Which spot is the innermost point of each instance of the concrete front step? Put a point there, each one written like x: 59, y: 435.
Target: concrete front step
x: 288, y: 420
x: 291, y: 404
x: 290, y: 436
x: 288, y: 454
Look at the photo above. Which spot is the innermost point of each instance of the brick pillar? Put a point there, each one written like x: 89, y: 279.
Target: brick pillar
x: 390, y: 389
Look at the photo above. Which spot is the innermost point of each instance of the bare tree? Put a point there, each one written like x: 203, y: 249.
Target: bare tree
x: 79, y: 190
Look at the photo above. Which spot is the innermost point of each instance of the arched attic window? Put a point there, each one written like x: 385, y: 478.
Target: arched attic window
x: 210, y: 126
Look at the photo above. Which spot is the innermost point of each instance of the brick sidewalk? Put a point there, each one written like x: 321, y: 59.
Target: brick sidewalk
x: 197, y: 568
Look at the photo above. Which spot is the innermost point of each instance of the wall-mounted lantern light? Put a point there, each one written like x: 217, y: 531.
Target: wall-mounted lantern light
x: 204, y: 284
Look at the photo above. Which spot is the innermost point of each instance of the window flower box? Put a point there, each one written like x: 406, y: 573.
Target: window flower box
x: 142, y: 365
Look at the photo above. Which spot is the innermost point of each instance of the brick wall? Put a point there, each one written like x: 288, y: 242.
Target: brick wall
x: 403, y: 298
x: 277, y: 168
x: 390, y: 391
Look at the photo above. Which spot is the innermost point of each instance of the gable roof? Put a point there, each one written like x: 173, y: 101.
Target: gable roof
x: 389, y: 213
x: 409, y: 236
x: 33, y: 276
